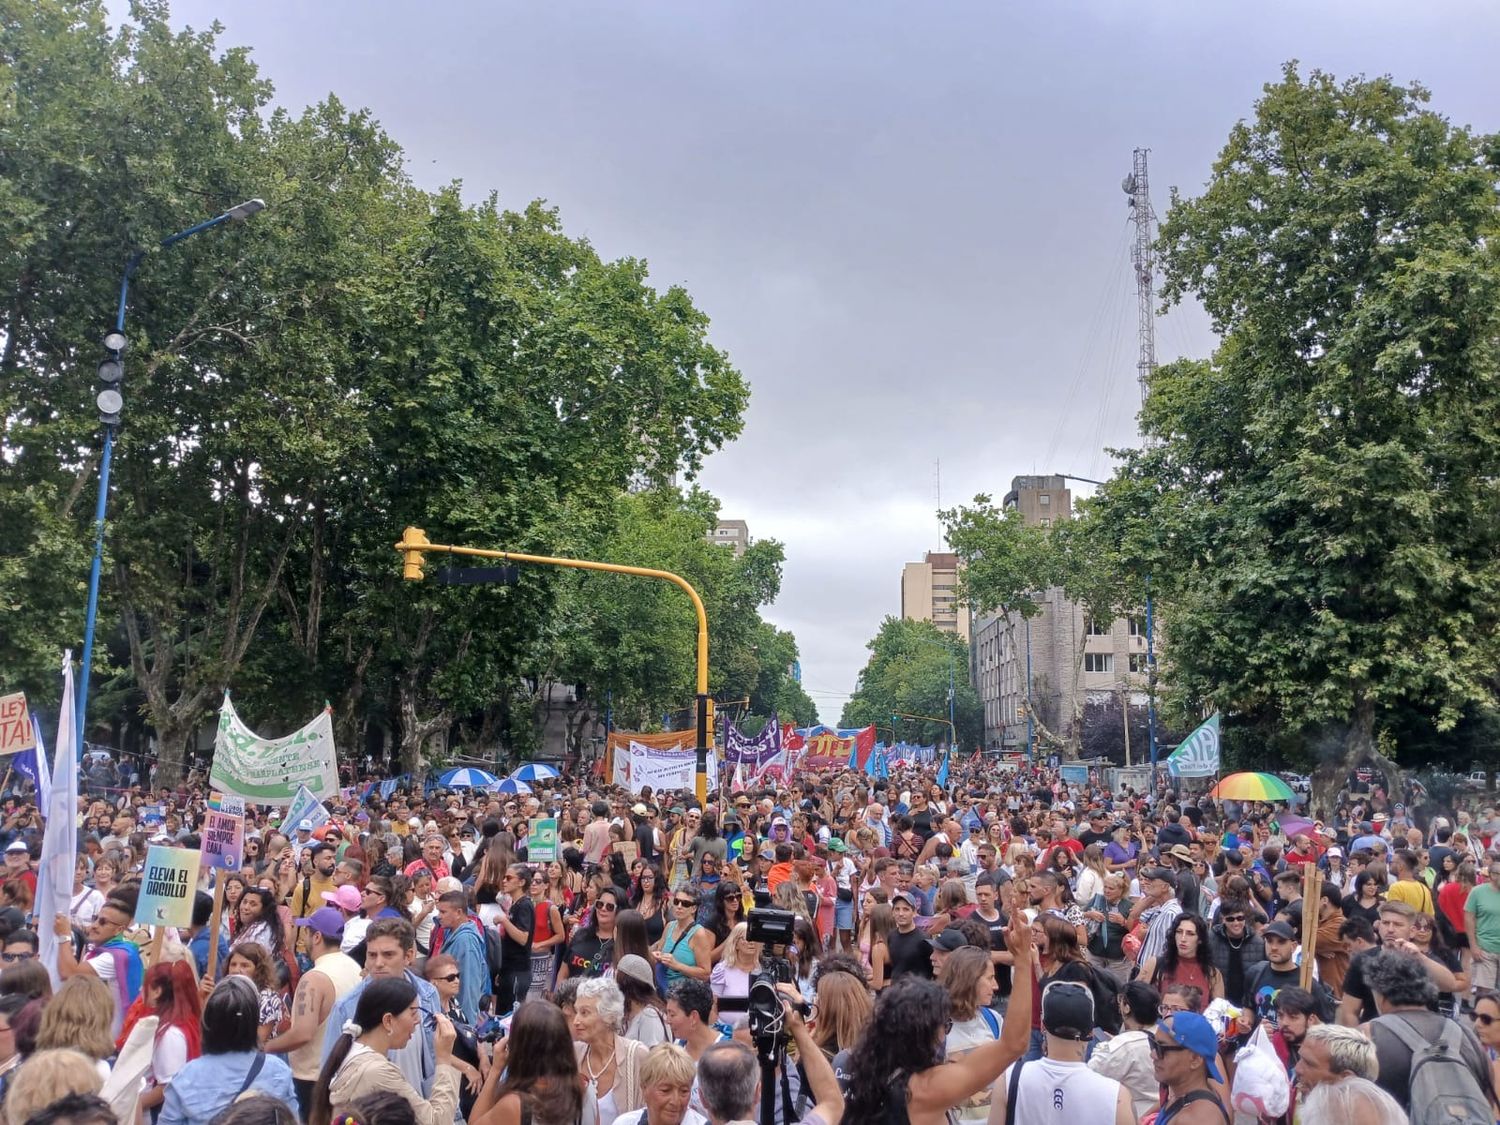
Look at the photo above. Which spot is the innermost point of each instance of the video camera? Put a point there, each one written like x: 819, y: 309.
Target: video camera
x: 774, y: 929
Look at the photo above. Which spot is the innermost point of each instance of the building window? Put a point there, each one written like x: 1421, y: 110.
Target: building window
x: 1137, y: 626
x: 1094, y: 628
x: 1098, y: 662
x: 1044, y: 500
x: 1137, y: 661
x: 1046, y: 522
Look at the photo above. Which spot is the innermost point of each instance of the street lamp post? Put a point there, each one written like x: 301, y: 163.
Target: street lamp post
x: 110, y: 403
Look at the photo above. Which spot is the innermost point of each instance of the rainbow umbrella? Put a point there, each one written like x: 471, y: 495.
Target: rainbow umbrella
x: 1252, y: 787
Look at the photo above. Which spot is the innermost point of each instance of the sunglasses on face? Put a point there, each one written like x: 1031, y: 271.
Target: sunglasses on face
x: 12, y: 958
x: 448, y: 978
x: 606, y: 907
x: 685, y: 903
x: 1158, y: 1048
x: 1484, y: 1019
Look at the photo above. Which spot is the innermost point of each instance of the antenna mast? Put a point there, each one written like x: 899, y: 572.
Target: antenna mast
x: 1137, y: 185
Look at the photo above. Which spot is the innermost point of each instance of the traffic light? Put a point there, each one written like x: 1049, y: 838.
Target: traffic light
x: 111, y: 373
x: 411, y: 547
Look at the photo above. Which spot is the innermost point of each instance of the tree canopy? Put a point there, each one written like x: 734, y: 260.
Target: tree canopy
x: 1317, y: 503
x: 908, y: 674
x: 361, y: 356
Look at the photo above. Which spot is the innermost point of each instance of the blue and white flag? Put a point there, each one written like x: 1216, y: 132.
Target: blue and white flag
x: 54, y: 877
x: 305, y: 806
x: 942, y: 774
x: 1197, y: 755
x: 32, y: 765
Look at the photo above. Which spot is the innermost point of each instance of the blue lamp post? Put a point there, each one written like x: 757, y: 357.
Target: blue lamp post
x: 110, y: 403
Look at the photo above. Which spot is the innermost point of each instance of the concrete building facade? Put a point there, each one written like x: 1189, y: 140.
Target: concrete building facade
x: 929, y: 592
x: 734, y: 534
x: 1073, y: 660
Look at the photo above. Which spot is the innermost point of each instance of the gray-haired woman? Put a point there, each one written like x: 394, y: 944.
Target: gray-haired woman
x: 610, y: 1063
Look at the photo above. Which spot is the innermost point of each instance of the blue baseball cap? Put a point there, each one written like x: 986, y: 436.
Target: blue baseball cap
x: 1190, y: 1030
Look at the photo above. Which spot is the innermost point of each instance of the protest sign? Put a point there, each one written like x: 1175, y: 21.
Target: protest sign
x: 629, y: 849
x: 541, y: 846
x: 220, y: 802
x: 269, y: 771
x: 223, y: 840
x: 171, y: 881
x: 16, y: 731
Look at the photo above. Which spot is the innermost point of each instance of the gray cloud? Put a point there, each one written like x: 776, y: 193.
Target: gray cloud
x: 904, y: 219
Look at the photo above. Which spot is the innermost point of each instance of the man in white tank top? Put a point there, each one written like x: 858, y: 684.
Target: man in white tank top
x: 1059, y: 1087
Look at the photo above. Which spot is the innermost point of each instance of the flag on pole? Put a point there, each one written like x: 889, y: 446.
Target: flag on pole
x: 942, y: 774
x: 54, y: 880
x: 1198, y: 754
x: 32, y: 765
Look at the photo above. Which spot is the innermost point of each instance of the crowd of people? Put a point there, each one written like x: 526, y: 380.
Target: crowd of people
x: 1003, y: 948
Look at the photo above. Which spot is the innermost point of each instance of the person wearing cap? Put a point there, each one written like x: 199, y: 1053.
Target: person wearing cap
x: 332, y: 977
x: 647, y: 837
x: 951, y: 939
x: 1158, y: 908
x: 344, y: 899
x: 1184, y: 1049
x: 18, y: 864
x: 1061, y: 1079
x: 905, y: 948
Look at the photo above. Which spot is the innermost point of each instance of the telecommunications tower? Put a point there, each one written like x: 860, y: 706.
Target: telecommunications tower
x: 1137, y: 185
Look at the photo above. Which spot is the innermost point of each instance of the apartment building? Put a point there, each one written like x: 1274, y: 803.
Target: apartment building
x: 929, y: 592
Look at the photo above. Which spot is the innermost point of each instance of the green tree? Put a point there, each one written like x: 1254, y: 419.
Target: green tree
x: 362, y: 357
x: 1317, y: 504
x: 633, y: 640
x: 909, y: 673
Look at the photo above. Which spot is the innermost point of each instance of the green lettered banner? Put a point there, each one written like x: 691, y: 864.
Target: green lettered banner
x: 269, y: 771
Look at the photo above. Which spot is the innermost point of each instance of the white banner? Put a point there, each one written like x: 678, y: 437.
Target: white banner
x: 269, y: 771
x: 667, y: 769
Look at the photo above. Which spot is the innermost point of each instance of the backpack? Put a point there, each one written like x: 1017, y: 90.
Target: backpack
x: 1443, y: 1088
x: 1106, y: 990
x: 493, y: 954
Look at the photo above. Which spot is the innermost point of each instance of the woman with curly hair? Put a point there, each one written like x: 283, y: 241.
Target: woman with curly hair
x: 649, y: 898
x: 1185, y: 960
x: 252, y: 961
x: 898, y: 1061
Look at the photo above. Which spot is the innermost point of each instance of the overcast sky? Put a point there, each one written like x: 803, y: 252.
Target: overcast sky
x: 905, y: 220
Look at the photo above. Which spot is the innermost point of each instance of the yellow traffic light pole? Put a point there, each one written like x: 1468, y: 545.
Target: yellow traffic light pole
x: 414, y: 543
x: 952, y: 731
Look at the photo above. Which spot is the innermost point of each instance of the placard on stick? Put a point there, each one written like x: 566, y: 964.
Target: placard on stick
x: 16, y: 731
x: 223, y: 840
x: 171, y: 881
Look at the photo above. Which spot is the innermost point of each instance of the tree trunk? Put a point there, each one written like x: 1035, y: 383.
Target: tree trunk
x: 1358, y: 748
x: 171, y: 753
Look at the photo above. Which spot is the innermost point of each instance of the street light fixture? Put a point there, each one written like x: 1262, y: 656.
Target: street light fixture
x: 111, y: 403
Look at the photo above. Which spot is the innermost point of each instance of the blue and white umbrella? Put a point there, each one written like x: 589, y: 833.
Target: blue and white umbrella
x: 510, y: 785
x: 467, y: 778
x: 535, y: 771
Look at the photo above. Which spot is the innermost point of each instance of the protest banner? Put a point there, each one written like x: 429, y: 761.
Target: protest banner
x: 541, y: 845
x: 171, y: 881
x: 269, y: 771
x: 16, y: 731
